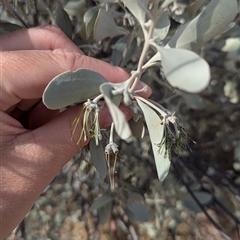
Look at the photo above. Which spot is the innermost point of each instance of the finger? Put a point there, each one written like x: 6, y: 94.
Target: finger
x: 28, y: 78
x: 40, y: 115
x: 34, y: 69
x: 39, y: 38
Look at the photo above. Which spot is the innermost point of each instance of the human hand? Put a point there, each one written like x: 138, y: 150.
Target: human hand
x: 35, y: 142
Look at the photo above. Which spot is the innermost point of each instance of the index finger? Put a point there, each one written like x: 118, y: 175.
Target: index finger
x: 43, y: 53
x: 25, y: 74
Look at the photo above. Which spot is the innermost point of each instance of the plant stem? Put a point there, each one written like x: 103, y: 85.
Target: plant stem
x: 14, y: 12
x: 147, y: 37
x: 111, y: 133
x: 156, y: 79
x: 162, y: 113
x: 148, y: 34
x: 96, y: 99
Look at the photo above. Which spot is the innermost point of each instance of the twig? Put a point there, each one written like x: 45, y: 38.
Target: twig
x: 14, y: 13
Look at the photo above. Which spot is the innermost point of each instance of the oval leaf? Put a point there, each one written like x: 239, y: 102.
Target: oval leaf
x: 6, y: 27
x: 185, y: 69
x: 89, y: 19
x: 136, y: 7
x: 98, y: 158
x: 136, y: 211
x: 162, y: 26
x: 63, y: 21
x: 155, y: 129
x: 90, y: 14
x: 208, y: 24
x: 118, y: 57
x: 104, y: 213
x: 74, y: 8
x: 135, y: 197
x: 100, y: 202
x: 105, y: 26
x: 153, y: 61
x: 203, y: 197
x: 72, y: 87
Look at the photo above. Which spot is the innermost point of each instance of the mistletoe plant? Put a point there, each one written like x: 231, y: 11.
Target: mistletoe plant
x: 176, y: 58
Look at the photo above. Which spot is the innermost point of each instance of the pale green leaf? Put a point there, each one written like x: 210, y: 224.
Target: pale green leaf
x: 104, y: 213
x: 155, y: 60
x: 90, y: 14
x: 137, y: 211
x: 105, y: 26
x: 156, y: 130
x: 100, y: 202
x: 89, y: 20
x: 98, y: 158
x: 72, y: 87
x: 42, y: 7
x: 134, y: 196
x: 137, y: 8
x: 63, y: 21
x: 185, y: 69
x: 120, y: 122
x: 118, y: 57
x: 74, y: 8
x: 208, y: 24
x: 162, y: 26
